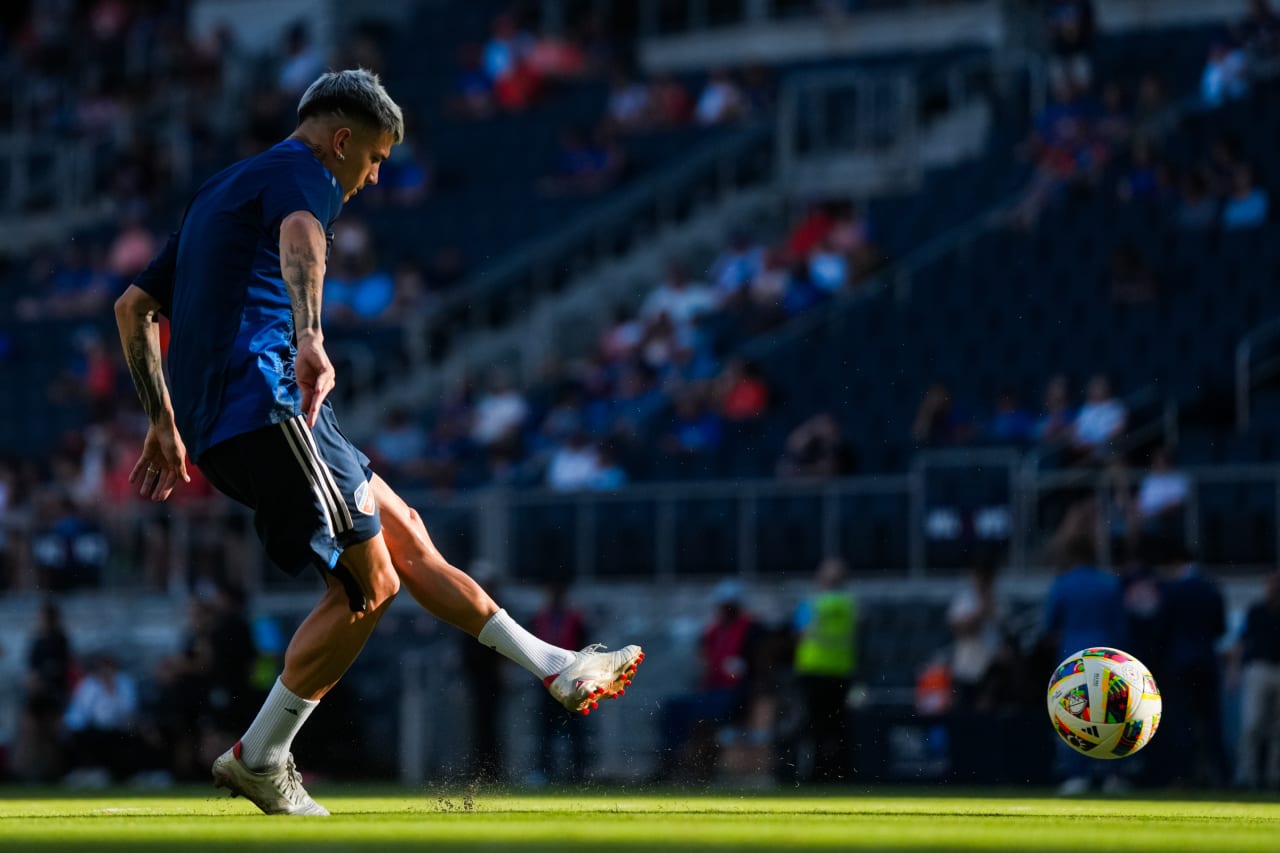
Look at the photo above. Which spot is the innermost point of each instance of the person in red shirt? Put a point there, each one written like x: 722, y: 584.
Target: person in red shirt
x: 689, y: 722
x: 810, y: 231
x: 669, y: 101
x: 725, y: 641
x: 742, y: 393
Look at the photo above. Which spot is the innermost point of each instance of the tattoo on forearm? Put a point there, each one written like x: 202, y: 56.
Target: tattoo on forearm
x: 142, y: 352
x: 303, y: 277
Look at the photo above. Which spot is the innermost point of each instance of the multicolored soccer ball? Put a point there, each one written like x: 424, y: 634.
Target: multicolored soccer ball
x: 1104, y: 703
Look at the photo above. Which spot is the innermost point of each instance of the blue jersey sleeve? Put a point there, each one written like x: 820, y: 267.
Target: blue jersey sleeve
x: 309, y: 187
x: 157, y: 278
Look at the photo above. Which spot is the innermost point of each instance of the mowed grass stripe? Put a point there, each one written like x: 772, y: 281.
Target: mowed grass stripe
x: 632, y: 823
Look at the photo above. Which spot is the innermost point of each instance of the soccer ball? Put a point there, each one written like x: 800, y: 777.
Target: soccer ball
x: 1104, y: 703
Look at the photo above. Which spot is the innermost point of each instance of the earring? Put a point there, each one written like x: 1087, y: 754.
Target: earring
x: 340, y: 157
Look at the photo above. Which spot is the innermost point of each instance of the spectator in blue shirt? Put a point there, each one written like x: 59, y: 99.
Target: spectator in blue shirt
x: 1011, y: 423
x: 1226, y: 75
x: 1084, y: 609
x: 1248, y: 204
x: 694, y: 429
x: 1085, y: 605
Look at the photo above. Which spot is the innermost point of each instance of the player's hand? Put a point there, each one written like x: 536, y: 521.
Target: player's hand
x: 162, y: 464
x: 315, y: 376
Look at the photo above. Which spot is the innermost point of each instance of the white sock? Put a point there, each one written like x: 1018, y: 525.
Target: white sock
x: 505, y: 636
x: 269, y: 737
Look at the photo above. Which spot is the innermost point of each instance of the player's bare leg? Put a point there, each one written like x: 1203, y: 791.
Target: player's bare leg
x: 443, y: 590
x: 578, y: 680
x: 260, y: 767
x: 331, y: 637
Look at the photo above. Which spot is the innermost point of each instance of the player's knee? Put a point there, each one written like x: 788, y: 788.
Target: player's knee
x: 416, y: 523
x: 384, y: 586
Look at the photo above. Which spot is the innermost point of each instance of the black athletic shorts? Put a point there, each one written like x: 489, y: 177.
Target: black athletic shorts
x: 308, y: 488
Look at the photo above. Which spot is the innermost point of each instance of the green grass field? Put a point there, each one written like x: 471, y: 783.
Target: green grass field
x: 618, y: 820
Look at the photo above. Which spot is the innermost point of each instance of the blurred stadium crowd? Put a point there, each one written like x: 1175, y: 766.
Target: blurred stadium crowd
x: 777, y: 700
x: 664, y: 393
x: 1173, y: 154
x: 143, y: 79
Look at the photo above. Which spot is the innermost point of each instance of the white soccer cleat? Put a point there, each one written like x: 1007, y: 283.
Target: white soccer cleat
x: 594, y: 675
x: 277, y: 790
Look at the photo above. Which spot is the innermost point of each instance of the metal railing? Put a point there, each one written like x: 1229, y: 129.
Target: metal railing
x: 849, y: 130
x: 881, y: 127
x: 520, y: 277
x: 869, y: 131
x: 448, y: 343
x: 672, y: 532
x: 438, y: 346
x: 1250, y: 373
x: 49, y: 179
x: 44, y: 174
x: 1007, y: 458
x: 696, y: 15
x: 1159, y: 423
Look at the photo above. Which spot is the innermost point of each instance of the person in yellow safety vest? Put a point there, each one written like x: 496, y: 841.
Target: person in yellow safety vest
x: 826, y: 656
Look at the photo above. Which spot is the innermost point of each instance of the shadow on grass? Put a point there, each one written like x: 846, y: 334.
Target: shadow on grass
x: 613, y: 845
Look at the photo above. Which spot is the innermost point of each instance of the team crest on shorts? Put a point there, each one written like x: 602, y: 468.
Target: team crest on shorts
x: 364, y: 498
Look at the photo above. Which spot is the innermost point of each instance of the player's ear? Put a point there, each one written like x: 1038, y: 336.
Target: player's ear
x: 341, y: 137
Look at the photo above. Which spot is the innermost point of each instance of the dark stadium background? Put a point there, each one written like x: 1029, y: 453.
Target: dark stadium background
x: 657, y: 294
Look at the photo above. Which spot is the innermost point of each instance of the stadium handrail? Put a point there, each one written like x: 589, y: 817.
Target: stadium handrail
x: 697, y: 13
x: 899, y: 273
x: 1247, y: 374
x: 1008, y: 457
x: 519, y: 280
x: 488, y: 519
x: 895, y: 277
x: 50, y: 186
x: 883, y: 138
x: 1159, y: 424
x: 48, y: 179
x: 598, y: 227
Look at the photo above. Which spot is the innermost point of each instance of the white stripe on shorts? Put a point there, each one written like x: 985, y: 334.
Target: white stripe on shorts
x: 342, y: 513
x: 311, y: 468
x: 310, y: 475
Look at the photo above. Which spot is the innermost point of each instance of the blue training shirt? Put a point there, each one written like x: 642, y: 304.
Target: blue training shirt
x: 1085, y: 607
x: 231, y: 354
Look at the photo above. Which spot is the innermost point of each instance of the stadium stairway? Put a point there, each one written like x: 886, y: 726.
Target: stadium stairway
x: 1011, y: 309
x: 948, y: 198
x: 745, y: 154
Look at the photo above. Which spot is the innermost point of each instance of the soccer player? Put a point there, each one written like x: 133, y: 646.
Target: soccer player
x: 241, y: 284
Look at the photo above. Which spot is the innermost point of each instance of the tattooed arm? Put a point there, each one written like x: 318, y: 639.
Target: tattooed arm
x: 138, y: 319
x: 164, y: 456
x: 302, y: 251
